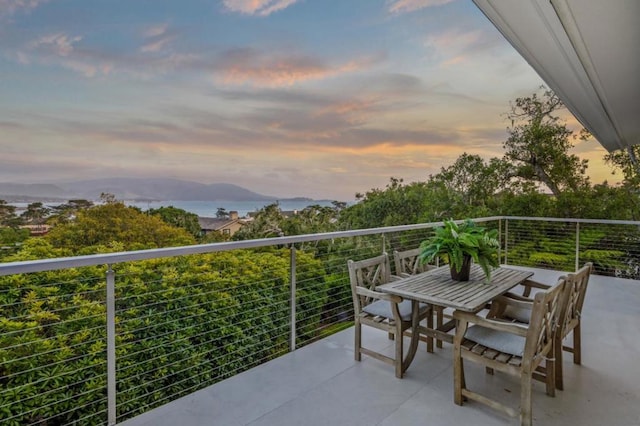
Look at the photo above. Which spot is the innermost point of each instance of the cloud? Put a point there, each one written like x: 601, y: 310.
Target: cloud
x: 261, y: 69
x: 61, y: 49
x: 57, y: 44
x: 404, y: 6
x: 157, y: 38
x: 156, y: 30
x: 10, y: 7
x: 454, y: 46
x: 257, y: 7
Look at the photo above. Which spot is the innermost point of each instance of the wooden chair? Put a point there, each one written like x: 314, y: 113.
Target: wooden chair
x: 512, y: 348
x: 408, y: 263
x: 380, y: 310
x: 570, y: 319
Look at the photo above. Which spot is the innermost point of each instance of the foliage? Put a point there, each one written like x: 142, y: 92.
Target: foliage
x: 270, y: 222
x: 452, y: 242
x: 64, y: 213
x: 397, y: 204
x: 36, y: 213
x: 8, y: 215
x: 179, y: 218
x: 266, y: 223
x: 182, y: 324
x: 115, y: 222
x: 11, y: 239
x: 538, y: 144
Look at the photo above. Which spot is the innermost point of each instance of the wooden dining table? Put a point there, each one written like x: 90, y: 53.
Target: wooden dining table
x: 437, y: 289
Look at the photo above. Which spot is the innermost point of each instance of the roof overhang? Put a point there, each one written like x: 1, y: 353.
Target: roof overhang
x: 587, y: 51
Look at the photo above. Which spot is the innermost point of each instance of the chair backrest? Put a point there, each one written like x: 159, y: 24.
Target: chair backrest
x: 576, y: 291
x: 367, y: 274
x: 408, y: 263
x: 545, y: 317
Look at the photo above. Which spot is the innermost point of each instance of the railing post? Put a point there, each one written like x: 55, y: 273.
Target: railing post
x: 292, y: 280
x: 577, y: 245
x: 111, y: 346
x: 384, y: 243
x: 499, y: 240
x: 506, y: 241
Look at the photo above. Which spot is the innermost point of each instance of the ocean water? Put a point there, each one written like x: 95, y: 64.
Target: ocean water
x: 209, y: 208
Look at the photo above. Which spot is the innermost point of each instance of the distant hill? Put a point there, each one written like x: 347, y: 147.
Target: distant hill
x: 22, y: 191
x: 161, y: 189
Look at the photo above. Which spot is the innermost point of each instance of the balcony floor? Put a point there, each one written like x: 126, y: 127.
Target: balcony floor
x: 321, y: 384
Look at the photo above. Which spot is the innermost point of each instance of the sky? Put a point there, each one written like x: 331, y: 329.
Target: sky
x: 315, y: 98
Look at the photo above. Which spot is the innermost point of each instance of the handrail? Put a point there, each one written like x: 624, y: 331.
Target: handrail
x: 42, y: 265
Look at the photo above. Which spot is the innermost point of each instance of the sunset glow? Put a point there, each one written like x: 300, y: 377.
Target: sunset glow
x: 316, y: 98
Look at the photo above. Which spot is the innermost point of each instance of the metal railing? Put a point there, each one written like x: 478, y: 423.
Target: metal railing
x: 98, y: 339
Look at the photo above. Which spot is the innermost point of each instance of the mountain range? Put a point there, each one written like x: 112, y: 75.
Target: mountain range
x: 141, y: 189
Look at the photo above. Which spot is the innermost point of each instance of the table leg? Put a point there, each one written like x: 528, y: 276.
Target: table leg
x: 415, y: 335
x: 430, y: 327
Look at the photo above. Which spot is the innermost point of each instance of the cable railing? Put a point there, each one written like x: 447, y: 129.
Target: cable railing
x: 102, y: 338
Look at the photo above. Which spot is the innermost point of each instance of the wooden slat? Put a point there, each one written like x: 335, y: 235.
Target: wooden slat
x: 503, y: 357
x: 478, y: 349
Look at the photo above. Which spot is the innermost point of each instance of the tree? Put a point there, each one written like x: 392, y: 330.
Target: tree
x: 8, y: 215
x: 110, y: 223
x: 471, y: 184
x: 179, y: 218
x: 267, y: 223
x: 35, y: 213
x: 397, y: 204
x: 538, y: 145
x: 626, y: 161
x: 63, y: 213
x: 311, y: 220
x: 222, y: 213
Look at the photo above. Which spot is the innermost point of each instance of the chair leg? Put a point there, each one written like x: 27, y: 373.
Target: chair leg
x: 577, y: 356
x: 550, y: 368
x: 358, y: 341
x: 526, y: 417
x: 458, y: 376
x: 398, y: 361
x: 558, y: 362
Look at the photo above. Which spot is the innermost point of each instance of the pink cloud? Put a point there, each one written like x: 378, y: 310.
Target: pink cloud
x: 248, y: 66
x: 403, y: 6
x: 257, y: 7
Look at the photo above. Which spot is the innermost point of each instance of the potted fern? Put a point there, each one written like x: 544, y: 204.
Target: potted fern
x: 459, y: 244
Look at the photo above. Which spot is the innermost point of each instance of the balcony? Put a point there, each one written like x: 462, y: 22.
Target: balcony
x: 321, y: 384
x: 163, y: 337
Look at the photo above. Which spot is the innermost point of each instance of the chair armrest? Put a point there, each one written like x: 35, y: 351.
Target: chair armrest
x: 529, y: 284
x: 378, y: 295
x: 514, y: 300
x: 507, y: 327
x: 500, y: 304
x: 515, y: 296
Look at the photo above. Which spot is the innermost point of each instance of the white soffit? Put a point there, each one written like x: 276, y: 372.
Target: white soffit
x: 587, y: 51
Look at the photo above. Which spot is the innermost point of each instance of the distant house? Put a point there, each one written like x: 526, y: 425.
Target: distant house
x: 225, y: 226
x: 36, y: 230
